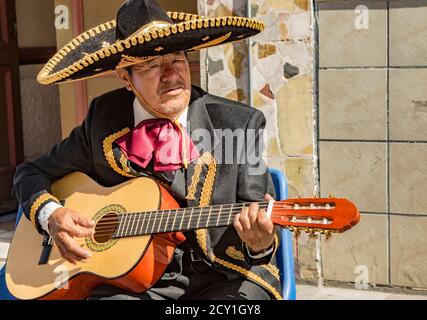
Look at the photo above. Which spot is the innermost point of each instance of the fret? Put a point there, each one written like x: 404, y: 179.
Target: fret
x: 154, y: 222
x: 120, y: 224
x: 142, y: 224
x: 174, y: 219
x: 129, y: 224
x: 219, y: 215
x: 167, y: 228
x: 185, y: 220
x: 209, y: 216
x: 160, y: 223
x: 123, y: 220
x: 198, y: 221
x: 181, y: 214
x: 125, y: 228
x: 138, y: 218
x: 189, y: 220
x: 132, y: 224
x: 148, y: 223
x: 230, y: 213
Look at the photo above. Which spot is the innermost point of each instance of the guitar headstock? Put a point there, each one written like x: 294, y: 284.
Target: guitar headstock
x: 324, y: 215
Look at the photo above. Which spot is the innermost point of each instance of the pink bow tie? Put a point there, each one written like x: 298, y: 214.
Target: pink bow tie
x: 167, y: 142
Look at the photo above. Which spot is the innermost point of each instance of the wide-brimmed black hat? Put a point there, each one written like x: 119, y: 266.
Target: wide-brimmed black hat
x: 141, y: 31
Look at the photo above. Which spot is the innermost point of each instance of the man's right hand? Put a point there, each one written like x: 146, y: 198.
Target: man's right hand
x: 64, y: 226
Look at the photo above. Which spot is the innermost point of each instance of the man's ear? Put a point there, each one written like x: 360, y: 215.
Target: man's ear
x: 123, y: 75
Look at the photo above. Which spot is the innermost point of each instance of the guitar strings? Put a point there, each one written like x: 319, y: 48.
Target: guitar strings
x: 132, y: 217
x: 129, y: 230
x: 215, y: 210
x: 108, y: 226
x: 222, y: 221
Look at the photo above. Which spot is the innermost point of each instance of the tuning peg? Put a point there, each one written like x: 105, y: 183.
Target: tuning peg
x: 328, y: 234
x: 300, y: 196
x: 331, y: 196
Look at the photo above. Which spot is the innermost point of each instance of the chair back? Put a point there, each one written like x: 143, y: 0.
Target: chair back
x: 284, y: 255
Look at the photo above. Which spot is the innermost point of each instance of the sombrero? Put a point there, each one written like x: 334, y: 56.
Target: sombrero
x: 141, y: 31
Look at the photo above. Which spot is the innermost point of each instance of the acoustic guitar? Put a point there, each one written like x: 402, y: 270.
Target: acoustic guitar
x: 138, y: 226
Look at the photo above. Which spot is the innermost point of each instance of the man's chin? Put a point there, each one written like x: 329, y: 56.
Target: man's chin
x: 173, y: 106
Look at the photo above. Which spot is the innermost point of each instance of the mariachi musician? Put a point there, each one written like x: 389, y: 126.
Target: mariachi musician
x: 126, y: 133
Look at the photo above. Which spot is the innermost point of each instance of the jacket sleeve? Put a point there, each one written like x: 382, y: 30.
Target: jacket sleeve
x: 32, y: 181
x: 254, y: 180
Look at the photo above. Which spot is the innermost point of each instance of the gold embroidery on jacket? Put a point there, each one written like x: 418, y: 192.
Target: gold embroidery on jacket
x: 209, y: 160
x: 37, y: 203
x: 109, y: 155
x: 234, y: 253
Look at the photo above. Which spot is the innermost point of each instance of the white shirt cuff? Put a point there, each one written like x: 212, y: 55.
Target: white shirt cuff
x: 260, y: 255
x: 45, y: 214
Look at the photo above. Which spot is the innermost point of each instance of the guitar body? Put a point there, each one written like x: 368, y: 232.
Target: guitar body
x: 133, y: 263
x: 138, y: 225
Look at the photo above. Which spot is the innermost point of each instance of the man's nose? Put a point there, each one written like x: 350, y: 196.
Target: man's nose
x: 169, y: 72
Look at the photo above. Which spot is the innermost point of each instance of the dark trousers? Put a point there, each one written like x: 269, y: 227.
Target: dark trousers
x: 190, y: 277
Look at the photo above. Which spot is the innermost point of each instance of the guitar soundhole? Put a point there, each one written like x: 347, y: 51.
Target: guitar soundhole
x: 106, y: 227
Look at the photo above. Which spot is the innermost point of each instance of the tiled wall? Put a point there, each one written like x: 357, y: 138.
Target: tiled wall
x: 282, y: 87
x: 373, y: 138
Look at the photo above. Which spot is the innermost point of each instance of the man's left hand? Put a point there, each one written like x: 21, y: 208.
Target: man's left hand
x: 255, y: 228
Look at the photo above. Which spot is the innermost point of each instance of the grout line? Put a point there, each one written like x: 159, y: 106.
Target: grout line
x: 397, y: 214
x: 351, y: 68
x: 377, y: 141
x: 316, y: 60
x: 388, y: 148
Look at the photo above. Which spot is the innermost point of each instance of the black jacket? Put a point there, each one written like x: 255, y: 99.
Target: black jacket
x: 90, y: 149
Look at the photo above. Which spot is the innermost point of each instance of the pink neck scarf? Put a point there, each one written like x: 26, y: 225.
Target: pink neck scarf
x: 166, y: 142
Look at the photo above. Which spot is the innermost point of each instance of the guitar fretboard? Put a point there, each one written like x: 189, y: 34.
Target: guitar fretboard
x: 183, y: 219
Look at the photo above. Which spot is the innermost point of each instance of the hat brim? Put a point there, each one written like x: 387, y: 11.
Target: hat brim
x: 97, y: 51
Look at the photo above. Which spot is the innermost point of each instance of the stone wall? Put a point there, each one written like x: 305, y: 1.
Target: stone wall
x: 281, y: 74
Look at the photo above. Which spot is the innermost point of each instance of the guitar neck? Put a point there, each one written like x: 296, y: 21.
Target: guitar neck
x: 183, y: 219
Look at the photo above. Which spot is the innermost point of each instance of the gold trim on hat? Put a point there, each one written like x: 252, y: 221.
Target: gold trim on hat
x: 191, y: 22
x: 130, y: 61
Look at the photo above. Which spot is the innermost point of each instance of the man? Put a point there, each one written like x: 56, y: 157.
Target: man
x: 235, y: 262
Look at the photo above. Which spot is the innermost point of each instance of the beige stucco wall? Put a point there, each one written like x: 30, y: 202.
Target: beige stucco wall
x: 35, y: 23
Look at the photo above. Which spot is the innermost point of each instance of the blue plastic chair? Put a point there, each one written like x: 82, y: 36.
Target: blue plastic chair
x: 4, y: 292
x: 284, y: 255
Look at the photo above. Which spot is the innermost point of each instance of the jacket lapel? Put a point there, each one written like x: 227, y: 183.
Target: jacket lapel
x: 124, y: 116
x: 204, y: 137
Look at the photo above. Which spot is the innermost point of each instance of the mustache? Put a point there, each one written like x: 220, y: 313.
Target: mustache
x: 166, y: 87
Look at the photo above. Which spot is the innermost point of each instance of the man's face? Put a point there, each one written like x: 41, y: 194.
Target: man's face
x: 164, y: 82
